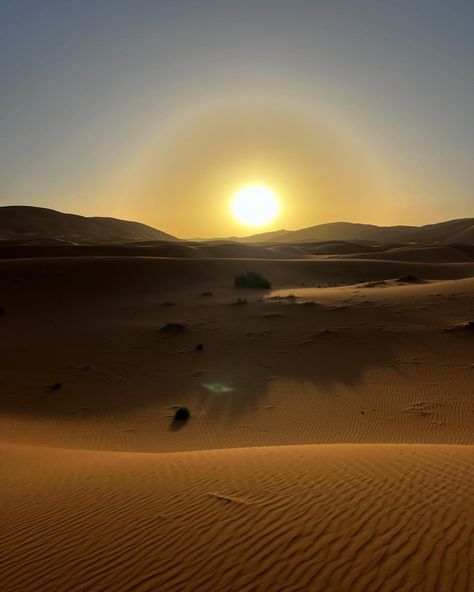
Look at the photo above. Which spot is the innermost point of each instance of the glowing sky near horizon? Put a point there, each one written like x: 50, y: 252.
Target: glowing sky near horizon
x: 158, y: 110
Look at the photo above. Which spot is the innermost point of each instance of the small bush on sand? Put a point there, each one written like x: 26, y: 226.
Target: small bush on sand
x: 182, y: 414
x: 251, y: 279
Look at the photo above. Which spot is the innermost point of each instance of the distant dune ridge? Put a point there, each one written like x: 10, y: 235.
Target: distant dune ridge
x: 451, y: 231
x: 33, y: 224
x: 28, y: 223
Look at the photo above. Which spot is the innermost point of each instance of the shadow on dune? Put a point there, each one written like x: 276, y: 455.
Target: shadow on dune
x: 80, y: 323
x: 322, y: 363
x: 178, y: 424
x: 105, y: 374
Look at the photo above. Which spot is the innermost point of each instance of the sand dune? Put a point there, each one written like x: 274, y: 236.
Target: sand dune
x: 27, y: 231
x: 440, y: 254
x: 461, y: 230
x: 330, y: 444
x: 335, y: 518
x: 42, y: 225
x: 363, y: 364
x: 319, y: 251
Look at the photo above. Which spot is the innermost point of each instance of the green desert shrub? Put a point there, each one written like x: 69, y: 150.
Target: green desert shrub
x: 251, y: 279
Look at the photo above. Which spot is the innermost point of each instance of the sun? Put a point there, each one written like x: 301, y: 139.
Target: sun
x: 255, y: 205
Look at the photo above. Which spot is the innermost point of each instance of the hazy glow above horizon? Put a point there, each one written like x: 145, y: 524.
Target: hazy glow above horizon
x: 255, y: 205
x: 357, y: 111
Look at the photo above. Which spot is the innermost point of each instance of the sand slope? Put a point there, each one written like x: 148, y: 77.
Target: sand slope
x: 461, y: 253
x: 364, y: 363
x: 451, y: 230
x: 334, y: 518
x: 330, y: 445
x: 33, y: 224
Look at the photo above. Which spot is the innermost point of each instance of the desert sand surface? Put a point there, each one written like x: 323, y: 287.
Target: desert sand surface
x: 329, y: 517
x: 330, y: 445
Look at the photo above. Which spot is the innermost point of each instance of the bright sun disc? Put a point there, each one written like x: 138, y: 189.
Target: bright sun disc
x: 255, y: 205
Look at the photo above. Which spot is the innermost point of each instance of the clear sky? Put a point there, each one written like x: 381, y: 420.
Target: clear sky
x: 158, y: 111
